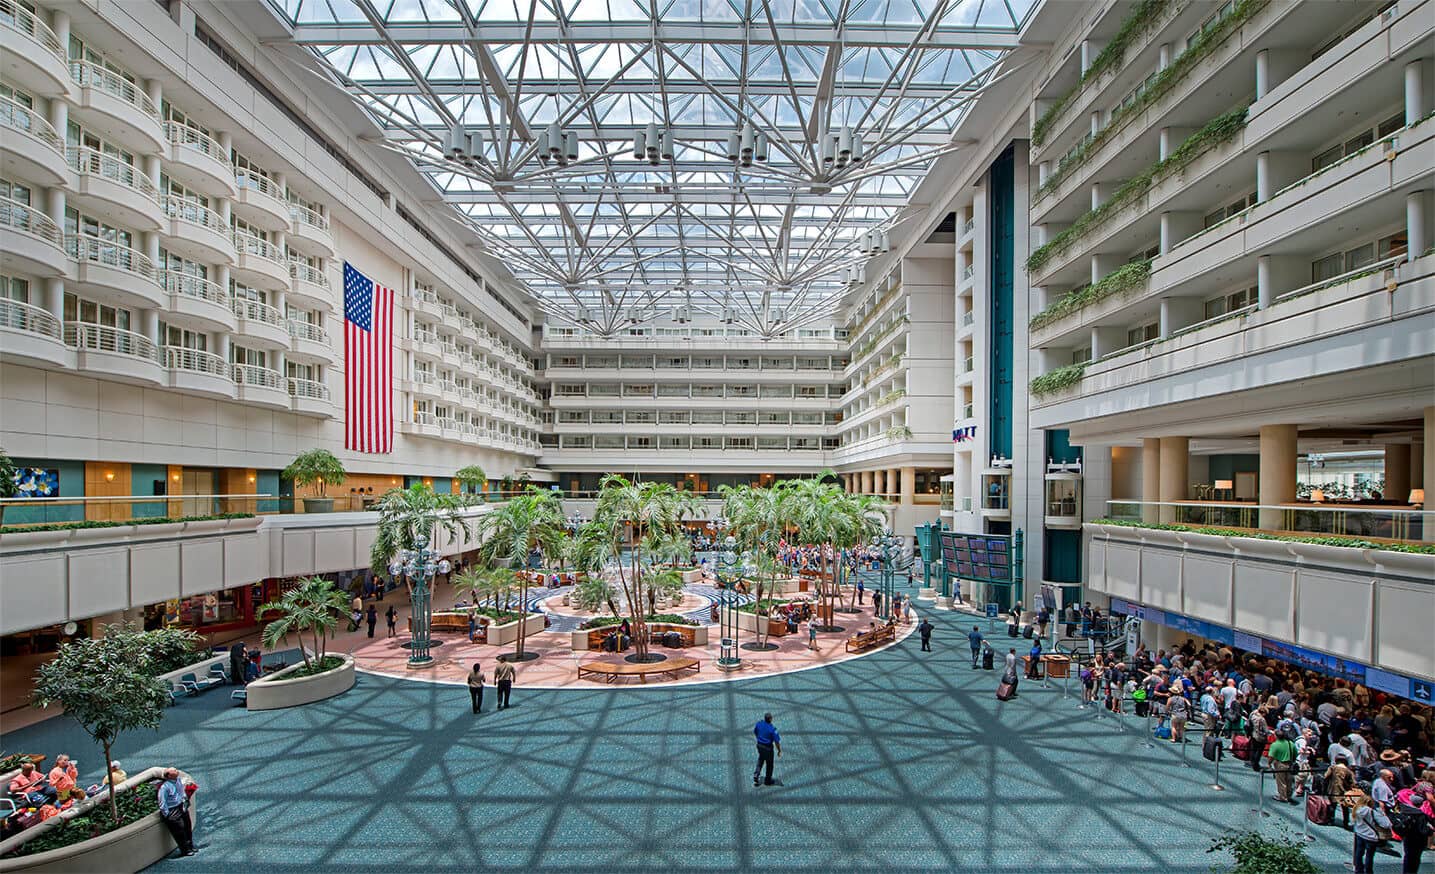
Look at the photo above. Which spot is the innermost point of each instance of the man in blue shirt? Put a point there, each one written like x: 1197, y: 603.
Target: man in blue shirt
x: 768, y: 742
x: 975, y: 639
x: 174, y: 810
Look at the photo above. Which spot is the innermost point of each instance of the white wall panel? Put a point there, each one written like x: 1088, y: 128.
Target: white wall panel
x: 154, y: 572
x: 1161, y: 579
x: 333, y: 549
x: 1207, y: 583
x: 40, y: 599
x: 1264, y: 596
x: 245, y: 559
x: 298, y: 556
x: 1333, y: 613
x: 1123, y: 570
x: 201, y: 565
x: 99, y: 581
x: 1405, y: 613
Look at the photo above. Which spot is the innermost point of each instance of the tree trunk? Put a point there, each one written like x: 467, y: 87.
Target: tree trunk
x: 114, y: 808
x: 522, y: 612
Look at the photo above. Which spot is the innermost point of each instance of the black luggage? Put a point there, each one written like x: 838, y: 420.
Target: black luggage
x: 1211, y: 747
x: 1011, y: 631
x: 987, y: 659
x: 1142, y: 708
x: 1027, y: 632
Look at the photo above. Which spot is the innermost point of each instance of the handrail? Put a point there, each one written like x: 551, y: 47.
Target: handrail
x: 21, y: 20
x: 308, y: 388
x: 90, y: 162
x: 84, y: 247
x: 1324, y: 507
x: 303, y: 215
x: 250, y: 374
x: 90, y: 74
x: 248, y: 244
x: 256, y: 311
x: 1373, y: 267
x: 193, y: 213
x: 249, y: 181
x: 194, y: 360
x: 103, y: 338
x: 307, y: 273
x: 189, y: 285
x: 27, y: 219
x: 17, y: 116
x: 29, y: 318
x: 307, y: 331
x: 181, y: 134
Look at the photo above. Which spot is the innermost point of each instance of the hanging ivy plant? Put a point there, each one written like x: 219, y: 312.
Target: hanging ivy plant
x: 1058, y: 379
x: 1121, y: 280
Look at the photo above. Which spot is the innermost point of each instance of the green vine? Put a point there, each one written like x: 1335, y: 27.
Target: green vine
x: 1141, y: 19
x: 890, y: 396
x: 1216, y: 131
x: 1058, y: 379
x: 899, y: 432
x: 881, y: 335
x: 1122, y: 279
x: 1326, y: 540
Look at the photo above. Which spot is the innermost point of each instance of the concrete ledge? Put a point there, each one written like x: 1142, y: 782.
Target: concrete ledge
x: 508, y: 632
x: 278, y: 690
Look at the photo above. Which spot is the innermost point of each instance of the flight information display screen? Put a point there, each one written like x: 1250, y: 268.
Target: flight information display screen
x: 985, y: 557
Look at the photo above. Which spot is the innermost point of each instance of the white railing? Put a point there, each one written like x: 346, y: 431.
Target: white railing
x: 18, y: 316
x: 308, y: 388
x: 307, y: 331
x: 303, y: 215
x: 250, y: 374
x: 969, y: 271
x: 92, y: 75
x: 448, y: 385
x: 84, y: 247
x: 248, y: 244
x: 308, y: 273
x: 425, y: 337
x: 89, y: 162
x: 1340, y: 519
x: 22, y: 118
x: 103, y: 338
x: 27, y: 219
x: 968, y: 317
x: 186, y: 136
x: 17, y: 18
x: 1374, y: 267
x: 255, y: 311
x: 969, y: 226
x: 448, y: 423
x: 198, y: 287
x: 193, y: 213
x: 423, y: 417
x: 423, y: 377
x: 425, y: 295
x: 195, y: 361
x: 248, y: 181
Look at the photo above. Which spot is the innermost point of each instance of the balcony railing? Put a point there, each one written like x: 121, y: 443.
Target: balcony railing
x: 1375, y: 521
x: 308, y: 388
x: 95, y: 250
x: 189, y: 138
x: 249, y: 374
x: 89, y: 162
x: 307, y: 331
x: 195, y: 361
x: 968, y: 318
x: 303, y: 215
x: 93, y: 75
x: 27, y: 219
x: 248, y: 244
x: 247, y: 180
x: 17, y: 18
x: 193, y: 213
x: 197, y: 287
x: 305, y: 272
x: 17, y: 117
x: 19, y: 316
x: 255, y: 311
x: 103, y: 338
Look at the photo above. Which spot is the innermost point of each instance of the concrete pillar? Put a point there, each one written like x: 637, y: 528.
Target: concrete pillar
x: 1428, y: 467
x: 1095, y: 122
x: 1043, y: 170
x: 54, y: 298
x: 1416, y: 242
x: 1265, y: 288
x: 149, y: 325
x: 220, y: 347
x: 1263, y: 73
x: 1150, y: 478
x: 1414, y: 92
x: 894, y: 484
x: 1106, y: 339
x: 1397, y: 471
x: 155, y: 92
x: 1178, y: 312
x: 1263, y: 174
x: 1163, y: 56
x: 1175, y: 461
x: 1277, y: 474
x: 1089, y: 50
x: 909, y: 486
x: 149, y: 245
x: 1102, y: 264
x: 1176, y: 227
x: 866, y: 482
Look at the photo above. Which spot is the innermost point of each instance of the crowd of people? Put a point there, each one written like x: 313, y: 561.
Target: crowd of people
x: 39, y: 794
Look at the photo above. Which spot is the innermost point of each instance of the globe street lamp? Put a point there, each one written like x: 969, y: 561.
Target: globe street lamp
x: 419, y: 565
x: 728, y: 571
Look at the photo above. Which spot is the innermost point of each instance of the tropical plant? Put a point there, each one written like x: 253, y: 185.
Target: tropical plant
x: 759, y: 519
x: 1058, y: 379
x: 490, y: 585
x: 1254, y: 853
x: 8, y: 485
x: 527, y: 521
x: 172, y: 648
x: 405, y: 515
x: 107, y: 684
x: 313, y: 605
x: 471, y: 479
x: 318, y: 468
x: 593, y: 592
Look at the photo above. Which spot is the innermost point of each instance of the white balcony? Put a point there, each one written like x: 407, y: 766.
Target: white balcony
x: 261, y: 202
x: 32, y: 335
x: 261, y: 386
x: 114, y: 353
x: 310, y: 398
x: 260, y: 263
x: 198, y: 372
x: 114, y: 273
x: 425, y: 301
x: 117, y: 108
x: 196, y: 232
x: 308, y: 286
x: 31, y: 56
x: 308, y: 342
x: 309, y: 232
x: 198, y: 301
x: 30, y: 148
x: 112, y: 189
x: 198, y: 162
x: 30, y: 243
x: 261, y: 323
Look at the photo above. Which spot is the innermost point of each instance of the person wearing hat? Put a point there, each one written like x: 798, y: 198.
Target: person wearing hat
x: 1339, y: 781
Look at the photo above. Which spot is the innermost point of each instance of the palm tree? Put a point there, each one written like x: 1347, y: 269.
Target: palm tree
x: 410, y: 517
x: 314, y: 605
x: 532, y: 519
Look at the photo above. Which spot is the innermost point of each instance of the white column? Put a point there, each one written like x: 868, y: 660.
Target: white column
x: 1043, y: 170
x: 1263, y: 73
x: 149, y: 325
x: 1416, y: 242
x: 1414, y: 92
x: 1265, y: 293
x: 1163, y: 56
x: 1397, y: 471
x: 1095, y: 122
x: 1177, y: 226
x: 1263, y: 174
x: 1089, y: 50
x: 1150, y: 478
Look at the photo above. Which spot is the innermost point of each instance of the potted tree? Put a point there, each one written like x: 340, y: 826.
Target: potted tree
x: 320, y: 469
x: 471, y: 481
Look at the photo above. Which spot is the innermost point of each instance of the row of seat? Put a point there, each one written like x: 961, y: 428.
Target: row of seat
x: 190, y: 684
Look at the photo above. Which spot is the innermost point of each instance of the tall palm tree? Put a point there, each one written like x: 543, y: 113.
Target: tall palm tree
x: 530, y: 520
x: 406, y: 518
x: 314, y: 605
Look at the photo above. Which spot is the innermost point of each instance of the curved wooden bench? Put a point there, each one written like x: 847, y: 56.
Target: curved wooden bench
x: 611, y: 671
x: 869, y: 639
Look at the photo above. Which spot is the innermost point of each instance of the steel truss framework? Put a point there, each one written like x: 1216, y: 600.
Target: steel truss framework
x: 612, y: 240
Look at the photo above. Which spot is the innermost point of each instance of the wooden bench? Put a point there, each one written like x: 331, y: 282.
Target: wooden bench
x: 609, y: 672
x: 868, y: 639
x: 688, y: 632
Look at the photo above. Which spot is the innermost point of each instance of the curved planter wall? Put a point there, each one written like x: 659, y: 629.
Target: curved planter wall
x: 280, y: 689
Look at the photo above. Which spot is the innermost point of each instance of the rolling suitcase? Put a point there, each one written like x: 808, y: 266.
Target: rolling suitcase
x: 1027, y: 632
x: 1241, y: 747
x: 1211, y: 747
x: 1004, y: 691
x: 987, y: 659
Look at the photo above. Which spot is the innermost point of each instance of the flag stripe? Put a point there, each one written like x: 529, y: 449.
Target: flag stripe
x: 368, y: 362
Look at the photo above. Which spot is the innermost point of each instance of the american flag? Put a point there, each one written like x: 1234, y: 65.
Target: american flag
x: 368, y: 363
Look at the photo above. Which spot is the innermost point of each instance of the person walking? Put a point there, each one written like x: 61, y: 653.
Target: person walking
x: 372, y: 618
x: 877, y: 603
x: 237, y: 659
x: 812, y: 633
x: 1282, y: 756
x: 503, y: 676
x: 769, y: 744
x: 475, y: 687
x: 974, y: 637
x: 861, y: 589
x: 925, y: 630
x: 174, y: 810
x: 1369, y: 819
x: 391, y: 616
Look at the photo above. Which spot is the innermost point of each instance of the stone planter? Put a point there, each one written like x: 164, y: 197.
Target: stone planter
x: 130, y: 848
x: 280, y: 689
x: 318, y: 505
x: 692, y: 575
x: 20, y: 538
x: 507, y: 633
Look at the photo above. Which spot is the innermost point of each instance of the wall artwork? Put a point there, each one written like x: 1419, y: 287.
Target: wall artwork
x: 37, y: 482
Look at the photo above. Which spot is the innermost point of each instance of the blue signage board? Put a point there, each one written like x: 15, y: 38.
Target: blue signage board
x: 1421, y: 690
x: 991, y: 610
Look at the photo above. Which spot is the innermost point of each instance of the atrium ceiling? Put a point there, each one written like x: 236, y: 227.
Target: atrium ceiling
x: 633, y: 161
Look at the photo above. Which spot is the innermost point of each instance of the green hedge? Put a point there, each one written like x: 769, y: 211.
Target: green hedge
x: 1318, y: 540
x: 667, y: 618
x: 1058, y: 379
x: 149, y: 520
x: 1122, y: 279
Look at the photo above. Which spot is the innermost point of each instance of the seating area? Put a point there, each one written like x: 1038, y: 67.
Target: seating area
x: 876, y: 637
x: 190, y: 684
x: 667, y: 634
x: 610, y: 672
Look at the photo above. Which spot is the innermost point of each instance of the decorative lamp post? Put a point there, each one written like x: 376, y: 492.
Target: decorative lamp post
x: 888, y: 542
x: 420, y: 565
x: 728, y: 571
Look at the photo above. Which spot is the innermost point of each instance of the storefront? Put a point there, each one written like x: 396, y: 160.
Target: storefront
x: 210, y: 612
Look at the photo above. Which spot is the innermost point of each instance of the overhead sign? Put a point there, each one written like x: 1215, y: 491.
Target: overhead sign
x: 983, y: 557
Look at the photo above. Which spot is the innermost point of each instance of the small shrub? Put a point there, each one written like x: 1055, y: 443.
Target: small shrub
x: 1254, y: 853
